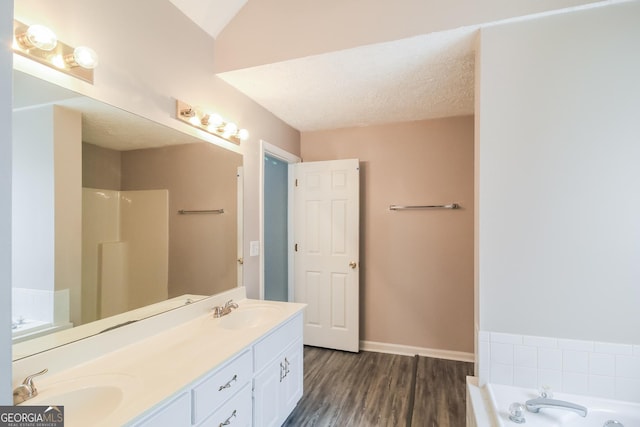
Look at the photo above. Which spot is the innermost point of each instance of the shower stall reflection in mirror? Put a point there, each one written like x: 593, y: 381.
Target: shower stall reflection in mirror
x: 276, y: 223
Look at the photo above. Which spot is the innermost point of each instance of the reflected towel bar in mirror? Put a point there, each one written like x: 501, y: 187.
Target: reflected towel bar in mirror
x: 402, y: 207
x: 204, y: 211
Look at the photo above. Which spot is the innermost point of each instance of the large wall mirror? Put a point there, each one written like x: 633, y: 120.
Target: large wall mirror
x: 116, y: 218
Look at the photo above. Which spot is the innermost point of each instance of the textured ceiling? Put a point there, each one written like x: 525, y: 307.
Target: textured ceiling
x: 102, y: 124
x: 417, y: 78
x: 111, y: 127
x: 422, y: 77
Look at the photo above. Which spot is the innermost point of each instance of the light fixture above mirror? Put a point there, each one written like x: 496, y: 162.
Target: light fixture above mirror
x: 41, y: 44
x: 210, y: 122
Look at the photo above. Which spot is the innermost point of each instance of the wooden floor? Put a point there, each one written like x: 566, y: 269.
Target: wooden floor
x: 376, y: 389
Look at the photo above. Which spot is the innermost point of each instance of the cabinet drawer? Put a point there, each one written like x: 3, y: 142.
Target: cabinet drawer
x: 217, y: 388
x: 272, y: 345
x: 237, y: 411
x: 175, y: 413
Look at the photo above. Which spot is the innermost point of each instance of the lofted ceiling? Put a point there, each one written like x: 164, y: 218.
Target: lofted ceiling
x: 419, y: 77
x: 422, y: 77
x: 415, y: 78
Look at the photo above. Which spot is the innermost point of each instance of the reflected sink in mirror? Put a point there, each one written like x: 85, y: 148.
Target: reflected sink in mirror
x: 248, y: 316
x: 88, y: 400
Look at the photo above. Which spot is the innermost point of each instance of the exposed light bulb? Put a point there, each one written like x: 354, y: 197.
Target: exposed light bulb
x: 41, y: 37
x: 229, y: 129
x: 85, y: 57
x: 195, y: 120
x: 243, y: 134
x: 215, y: 120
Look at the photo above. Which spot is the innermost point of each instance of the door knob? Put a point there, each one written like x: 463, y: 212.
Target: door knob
x: 353, y: 264
x: 240, y: 261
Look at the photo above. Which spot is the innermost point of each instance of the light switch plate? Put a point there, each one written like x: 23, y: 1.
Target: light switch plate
x: 254, y: 248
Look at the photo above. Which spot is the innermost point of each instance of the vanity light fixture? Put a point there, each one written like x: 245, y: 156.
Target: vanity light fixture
x: 40, y: 44
x: 210, y: 122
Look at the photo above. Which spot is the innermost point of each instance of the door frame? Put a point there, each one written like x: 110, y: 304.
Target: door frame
x: 289, y: 158
x: 240, y: 225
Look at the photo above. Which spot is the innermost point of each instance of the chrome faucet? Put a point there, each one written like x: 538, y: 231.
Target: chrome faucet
x: 27, y: 389
x: 534, y: 405
x: 219, y: 311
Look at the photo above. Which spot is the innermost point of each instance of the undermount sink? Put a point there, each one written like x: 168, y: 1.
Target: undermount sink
x: 87, y: 400
x: 249, y: 316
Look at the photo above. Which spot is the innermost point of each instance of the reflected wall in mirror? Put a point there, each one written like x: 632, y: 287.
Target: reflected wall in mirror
x: 97, y: 228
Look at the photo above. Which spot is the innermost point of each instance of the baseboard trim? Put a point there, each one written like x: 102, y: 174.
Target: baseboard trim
x: 407, y: 350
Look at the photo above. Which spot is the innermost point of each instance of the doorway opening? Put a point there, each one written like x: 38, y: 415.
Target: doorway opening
x: 276, y: 223
x: 276, y: 265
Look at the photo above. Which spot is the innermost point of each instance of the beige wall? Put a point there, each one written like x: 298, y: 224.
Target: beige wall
x: 149, y: 62
x: 416, y: 279
x: 100, y: 167
x: 202, y: 248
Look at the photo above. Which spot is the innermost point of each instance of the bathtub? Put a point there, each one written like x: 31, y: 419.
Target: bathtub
x: 488, y: 406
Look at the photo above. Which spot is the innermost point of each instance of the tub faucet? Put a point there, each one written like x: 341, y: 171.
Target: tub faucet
x: 27, y: 389
x: 219, y: 310
x: 534, y: 405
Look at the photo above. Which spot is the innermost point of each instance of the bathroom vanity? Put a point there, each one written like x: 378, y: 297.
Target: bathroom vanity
x: 181, y: 368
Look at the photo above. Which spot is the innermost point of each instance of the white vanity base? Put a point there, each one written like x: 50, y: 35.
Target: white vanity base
x: 183, y: 367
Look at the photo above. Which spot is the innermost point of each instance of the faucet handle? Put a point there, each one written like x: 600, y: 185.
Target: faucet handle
x: 516, y: 413
x: 217, y: 311
x: 545, y: 391
x: 27, y: 389
x: 231, y: 304
x: 29, y: 381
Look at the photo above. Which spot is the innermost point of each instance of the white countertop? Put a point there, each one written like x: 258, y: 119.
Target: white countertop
x: 157, y: 367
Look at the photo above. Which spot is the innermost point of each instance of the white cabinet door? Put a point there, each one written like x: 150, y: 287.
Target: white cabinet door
x: 278, y: 388
x: 277, y: 384
x: 292, y: 382
x: 267, y: 397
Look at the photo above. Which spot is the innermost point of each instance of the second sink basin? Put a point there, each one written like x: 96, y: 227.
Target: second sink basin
x: 249, y: 316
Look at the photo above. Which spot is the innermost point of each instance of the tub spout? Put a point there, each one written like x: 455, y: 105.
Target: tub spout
x: 534, y: 405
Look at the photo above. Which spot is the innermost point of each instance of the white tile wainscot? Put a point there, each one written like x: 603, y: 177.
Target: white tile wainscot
x: 609, y: 370
x: 184, y: 368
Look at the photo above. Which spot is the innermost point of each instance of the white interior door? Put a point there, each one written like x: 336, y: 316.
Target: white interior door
x: 326, y: 252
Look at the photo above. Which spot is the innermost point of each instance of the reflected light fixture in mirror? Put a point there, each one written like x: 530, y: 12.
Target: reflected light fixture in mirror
x: 210, y: 122
x: 40, y: 44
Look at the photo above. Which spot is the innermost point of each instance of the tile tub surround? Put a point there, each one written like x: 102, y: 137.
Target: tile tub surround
x: 592, y: 368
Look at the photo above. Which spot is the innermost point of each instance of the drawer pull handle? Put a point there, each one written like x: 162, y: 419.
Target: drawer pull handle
x: 228, y: 384
x: 284, y: 369
x: 228, y: 420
